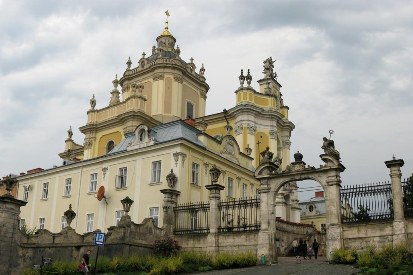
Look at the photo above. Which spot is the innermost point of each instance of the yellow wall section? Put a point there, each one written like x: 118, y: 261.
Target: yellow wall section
x: 192, y: 96
x: 264, y: 141
x: 116, y: 137
x: 147, y: 91
x: 168, y: 95
x: 261, y: 101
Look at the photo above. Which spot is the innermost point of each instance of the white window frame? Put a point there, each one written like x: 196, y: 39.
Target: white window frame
x: 230, y: 187
x: 195, y: 173
x: 68, y: 187
x: 244, y: 191
x: 63, y: 222
x: 153, y: 215
x: 93, y: 184
x: 42, y: 222
x: 156, y: 171
x: 121, y: 178
x: 26, y: 190
x: 90, y: 217
x: 45, y: 190
x: 118, y: 215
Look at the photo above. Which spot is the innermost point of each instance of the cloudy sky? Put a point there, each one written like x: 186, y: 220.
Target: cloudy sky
x: 344, y: 65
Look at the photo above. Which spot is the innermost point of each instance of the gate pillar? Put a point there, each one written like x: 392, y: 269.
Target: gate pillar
x: 399, y: 224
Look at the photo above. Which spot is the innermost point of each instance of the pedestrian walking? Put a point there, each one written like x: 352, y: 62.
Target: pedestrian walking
x: 315, y: 246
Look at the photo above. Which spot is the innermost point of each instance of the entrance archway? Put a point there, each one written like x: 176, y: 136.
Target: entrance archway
x: 272, y: 180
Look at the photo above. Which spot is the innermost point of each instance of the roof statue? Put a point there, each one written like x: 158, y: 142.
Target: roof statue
x: 266, y: 155
x: 248, y: 78
x: 92, y: 102
x: 70, y: 133
x: 128, y: 63
x: 329, y: 148
x: 202, y: 70
x: 241, y: 79
x: 269, y: 68
x: 115, y: 99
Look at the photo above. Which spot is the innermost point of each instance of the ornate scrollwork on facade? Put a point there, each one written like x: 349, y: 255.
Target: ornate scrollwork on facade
x: 206, y: 166
x: 273, y: 134
x: 158, y: 77
x: 286, y: 143
x: 88, y: 143
x: 176, y: 156
x: 178, y: 78
x: 252, y: 129
x: 229, y: 148
x: 238, y: 129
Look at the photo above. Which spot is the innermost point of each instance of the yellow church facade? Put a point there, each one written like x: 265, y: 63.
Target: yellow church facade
x: 154, y: 125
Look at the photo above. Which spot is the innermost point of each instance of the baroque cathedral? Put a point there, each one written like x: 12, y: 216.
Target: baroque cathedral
x: 155, y: 125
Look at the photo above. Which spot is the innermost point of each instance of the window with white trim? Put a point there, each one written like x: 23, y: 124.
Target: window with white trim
x: 244, y: 191
x: 63, y: 222
x: 42, y: 221
x: 230, y: 187
x: 118, y: 215
x: 156, y: 171
x: 45, y: 190
x: 154, y: 214
x: 89, y: 222
x: 68, y: 187
x: 195, y: 173
x: 121, y: 177
x: 93, y: 182
x: 26, y: 192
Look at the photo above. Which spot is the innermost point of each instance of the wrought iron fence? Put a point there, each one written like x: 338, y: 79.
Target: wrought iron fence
x: 407, y: 187
x: 239, y: 215
x: 191, y: 218
x: 367, y: 202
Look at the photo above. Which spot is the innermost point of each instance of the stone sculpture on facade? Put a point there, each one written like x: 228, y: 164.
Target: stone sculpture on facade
x: 92, y: 102
x: 266, y: 155
x: 70, y: 133
x: 248, y: 78
x: 269, y: 68
x: 171, y: 179
x: 241, y: 78
x: 202, y: 70
x: 329, y: 148
x: 69, y: 215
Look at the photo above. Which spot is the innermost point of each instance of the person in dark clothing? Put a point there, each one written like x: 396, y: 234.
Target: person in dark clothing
x: 85, y: 262
x: 299, y: 251
x: 304, y: 250
x: 316, y: 245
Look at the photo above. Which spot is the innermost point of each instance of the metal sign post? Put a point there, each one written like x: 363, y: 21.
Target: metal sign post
x: 99, y: 241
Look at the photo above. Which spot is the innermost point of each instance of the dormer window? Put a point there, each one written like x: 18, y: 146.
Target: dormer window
x: 109, y: 146
x: 142, y: 135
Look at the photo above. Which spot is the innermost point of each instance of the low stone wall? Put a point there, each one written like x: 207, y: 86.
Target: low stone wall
x: 132, y: 239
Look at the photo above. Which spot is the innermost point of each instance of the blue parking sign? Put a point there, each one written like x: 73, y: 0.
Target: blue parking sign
x: 100, y: 239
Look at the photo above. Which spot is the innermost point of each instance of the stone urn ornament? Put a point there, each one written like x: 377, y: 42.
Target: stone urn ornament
x: 171, y: 179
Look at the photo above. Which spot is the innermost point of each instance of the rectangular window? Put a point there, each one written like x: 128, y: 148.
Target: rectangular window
x: 26, y: 192
x: 45, y: 191
x: 89, y: 222
x: 93, y: 182
x: 41, y: 223
x: 121, y: 178
x: 154, y: 214
x: 244, y: 191
x: 156, y: 171
x: 22, y: 224
x: 68, y: 187
x: 189, y: 110
x: 118, y: 215
x: 195, y: 173
x: 230, y: 187
x: 63, y: 222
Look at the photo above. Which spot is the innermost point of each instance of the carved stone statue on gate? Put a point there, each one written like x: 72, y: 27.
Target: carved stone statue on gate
x: 329, y: 148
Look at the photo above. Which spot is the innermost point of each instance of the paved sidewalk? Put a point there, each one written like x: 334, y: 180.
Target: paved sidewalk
x: 288, y: 265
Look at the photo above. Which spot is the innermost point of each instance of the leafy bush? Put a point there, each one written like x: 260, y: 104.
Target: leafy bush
x: 166, y: 247
x: 172, y: 265
x: 344, y: 256
x: 388, y: 257
x: 227, y: 260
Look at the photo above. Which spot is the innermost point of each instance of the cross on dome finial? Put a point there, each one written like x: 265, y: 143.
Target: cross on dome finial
x: 166, y: 30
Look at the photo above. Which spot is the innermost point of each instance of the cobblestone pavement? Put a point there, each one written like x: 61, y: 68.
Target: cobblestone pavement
x: 288, y: 265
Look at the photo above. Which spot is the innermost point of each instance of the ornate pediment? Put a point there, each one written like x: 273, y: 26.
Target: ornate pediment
x: 142, y: 138
x: 230, y: 148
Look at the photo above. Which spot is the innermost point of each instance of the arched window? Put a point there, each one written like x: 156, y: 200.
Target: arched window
x: 142, y: 135
x: 109, y: 146
x: 311, y: 208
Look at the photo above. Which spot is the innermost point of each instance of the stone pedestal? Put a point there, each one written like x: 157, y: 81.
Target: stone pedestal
x: 9, y: 225
x: 214, y: 222
x: 266, y: 236
x: 399, y: 223
x: 169, y: 202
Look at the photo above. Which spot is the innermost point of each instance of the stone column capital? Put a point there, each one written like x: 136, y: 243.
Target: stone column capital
x: 394, y: 163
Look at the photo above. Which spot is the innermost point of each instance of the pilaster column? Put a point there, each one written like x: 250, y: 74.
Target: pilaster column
x: 214, y: 218
x: 9, y: 214
x: 281, y: 206
x: 169, y: 202
x: 399, y: 224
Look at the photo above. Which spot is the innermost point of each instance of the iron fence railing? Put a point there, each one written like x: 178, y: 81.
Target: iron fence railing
x: 407, y: 187
x: 191, y: 218
x: 367, y: 202
x: 239, y: 215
